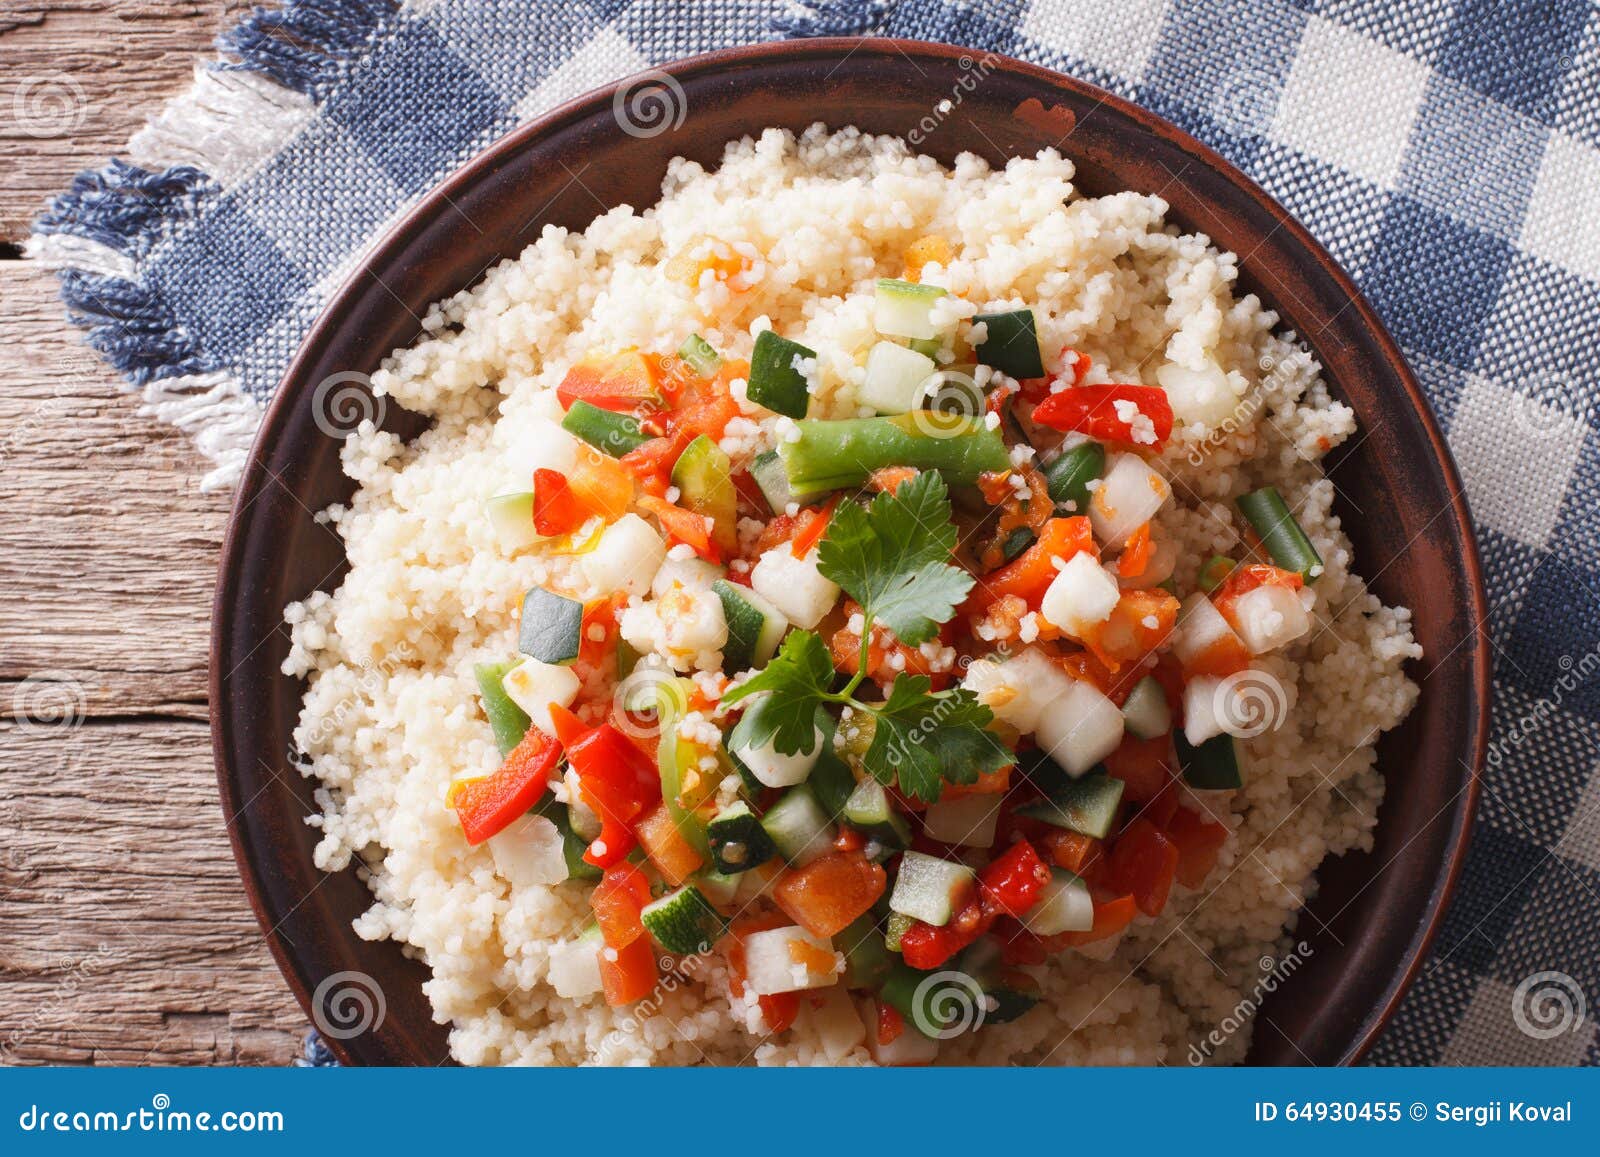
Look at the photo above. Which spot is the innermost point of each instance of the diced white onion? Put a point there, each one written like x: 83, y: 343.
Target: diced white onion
x: 794, y: 585
x: 1079, y: 727
x: 1128, y: 496
x: 626, y: 558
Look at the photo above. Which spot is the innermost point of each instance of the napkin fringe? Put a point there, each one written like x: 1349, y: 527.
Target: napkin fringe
x: 305, y: 45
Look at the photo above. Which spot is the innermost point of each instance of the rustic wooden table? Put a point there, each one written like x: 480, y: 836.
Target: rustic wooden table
x: 125, y: 937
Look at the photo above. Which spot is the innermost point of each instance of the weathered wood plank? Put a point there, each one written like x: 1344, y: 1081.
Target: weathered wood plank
x: 84, y: 75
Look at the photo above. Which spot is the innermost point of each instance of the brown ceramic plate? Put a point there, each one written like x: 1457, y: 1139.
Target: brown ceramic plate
x: 1375, y: 914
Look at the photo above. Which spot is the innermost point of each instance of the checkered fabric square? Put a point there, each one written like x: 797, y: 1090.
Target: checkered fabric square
x: 1446, y: 151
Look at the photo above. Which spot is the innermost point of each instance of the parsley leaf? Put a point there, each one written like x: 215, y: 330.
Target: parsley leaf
x: 797, y: 680
x: 894, y: 558
x: 926, y: 740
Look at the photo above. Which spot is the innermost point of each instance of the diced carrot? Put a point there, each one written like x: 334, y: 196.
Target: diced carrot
x: 890, y: 478
x: 1073, y: 851
x: 928, y: 249
x: 995, y: 782
x: 631, y: 975
x: 828, y: 894
x: 812, y: 525
x: 673, y: 856
x: 617, y: 900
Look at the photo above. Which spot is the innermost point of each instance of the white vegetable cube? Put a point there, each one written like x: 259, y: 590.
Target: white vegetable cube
x: 789, y: 960
x: 575, y: 967
x: 692, y: 625
x: 775, y: 769
x: 1270, y: 617
x: 1200, y: 627
x: 626, y: 558
x: 543, y: 445
x: 692, y: 573
x: 1082, y: 594
x: 528, y: 853
x: 836, y: 1024
x: 1128, y: 496
x: 1016, y: 689
x: 909, y: 1048
x: 533, y: 686
x: 1063, y: 906
x: 1079, y: 727
x: 1201, y: 718
x: 794, y: 585
x: 895, y: 377
x: 968, y: 821
x: 1203, y: 396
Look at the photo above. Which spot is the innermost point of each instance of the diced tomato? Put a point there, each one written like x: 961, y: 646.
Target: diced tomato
x: 556, y: 509
x: 631, y: 975
x: 830, y: 893
x: 1092, y: 410
x: 812, y: 525
x: 651, y: 463
x: 619, y: 782
x: 489, y: 805
x: 1137, y: 625
x: 890, y: 1023
x: 683, y: 526
x: 996, y: 782
x: 673, y: 855
x: 849, y: 840
x: 1248, y: 577
x: 1198, y: 841
x: 1073, y: 851
x: 845, y: 647
x: 617, y: 900
x: 1013, y: 882
x: 1143, y: 862
x: 1031, y: 572
x: 1136, y: 553
x: 889, y: 479
x: 621, y: 382
x: 707, y: 406
x: 1225, y: 656
x: 1145, y: 766
x: 1086, y: 668
x: 779, y: 1010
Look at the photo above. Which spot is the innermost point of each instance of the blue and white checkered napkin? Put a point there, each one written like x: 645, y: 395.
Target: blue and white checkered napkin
x: 1448, y: 153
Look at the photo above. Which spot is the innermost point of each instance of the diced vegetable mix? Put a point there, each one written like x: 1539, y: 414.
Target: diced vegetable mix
x: 828, y: 770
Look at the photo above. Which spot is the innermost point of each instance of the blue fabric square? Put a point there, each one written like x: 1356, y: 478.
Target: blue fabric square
x: 1540, y: 758
x: 1225, y: 61
x: 1564, y: 890
x: 226, y: 281
x: 1342, y: 211
x: 697, y: 27
x: 421, y: 108
x: 1473, y: 159
x: 1442, y: 382
x: 1543, y: 335
x: 1500, y: 874
x: 1434, y: 280
x: 1508, y: 569
x: 1577, y: 110
x: 1559, y: 624
x: 1576, y: 541
x: 1514, y: 52
x: 1415, y: 27
x: 1422, y: 1025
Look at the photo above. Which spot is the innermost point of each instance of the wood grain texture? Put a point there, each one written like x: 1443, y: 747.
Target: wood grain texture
x: 79, y: 77
x: 125, y: 936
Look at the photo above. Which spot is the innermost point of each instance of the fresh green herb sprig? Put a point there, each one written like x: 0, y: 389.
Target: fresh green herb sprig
x: 893, y: 558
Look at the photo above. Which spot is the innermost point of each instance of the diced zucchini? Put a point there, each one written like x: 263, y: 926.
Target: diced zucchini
x: 1146, y: 711
x: 928, y: 347
x: 867, y: 960
x: 1068, y: 477
x: 1209, y: 766
x: 895, y: 378
x: 718, y: 887
x: 930, y: 889
x: 799, y: 827
x: 534, y: 685
x: 773, y: 480
x: 903, y: 308
x: 705, y: 477
x: 896, y: 925
x: 508, y: 721
x: 1064, y: 906
x: 697, y: 354
x: 511, y: 516
x: 774, y: 382
x: 684, y: 921
x: 788, y: 960
x: 868, y: 810
x: 968, y: 821
x: 1012, y: 343
x: 755, y: 627
x: 605, y: 430
x: 737, y: 839
x: 551, y: 628
x: 1087, y: 805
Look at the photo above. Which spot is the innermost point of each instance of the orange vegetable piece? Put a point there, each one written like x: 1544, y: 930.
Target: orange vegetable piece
x: 828, y: 894
x: 631, y: 976
x: 673, y: 856
x: 1031, y: 572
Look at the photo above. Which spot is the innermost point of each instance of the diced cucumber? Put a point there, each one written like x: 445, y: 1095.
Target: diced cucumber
x: 697, y: 354
x: 722, y: 890
x: 868, y: 810
x: 684, y: 921
x: 511, y: 516
x: 508, y: 721
x: 902, y: 308
x: 1146, y: 711
x: 773, y: 481
x: 787, y: 960
x: 928, y: 347
x: 895, y: 378
x: 799, y: 827
x: 705, y: 477
x: 605, y: 430
x: 1012, y: 343
x: 627, y: 658
x: 670, y: 700
x: 1064, y: 906
x: 774, y: 382
x: 968, y: 821
x: 1087, y: 805
x: 896, y: 925
x: 755, y: 627
x: 737, y: 839
x: 1209, y: 766
x: 1068, y: 477
x: 1215, y: 572
x: 769, y: 765
x: 573, y: 844
x: 867, y: 960
x: 551, y: 628
x: 930, y: 889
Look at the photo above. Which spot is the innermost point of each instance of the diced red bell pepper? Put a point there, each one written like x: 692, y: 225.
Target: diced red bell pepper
x: 618, y: 781
x: 683, y: 526
x: 827, y: 895
x: 890, y: 1023
x: 1031, y: 572
x: 556, y: 509
x: 779, y: 1010
x: 1013, y: 882
x: 925, y: 946
x: 621, y: 382
x: 813, y: 524
x: 617, y: 900
x: 631, y: 975
x: 1092, y: 410
x: 651, y: 463
x: 488, y: 805
x: 1198, y: 841
x: 1143, y: 862
x: 1145, y: 766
